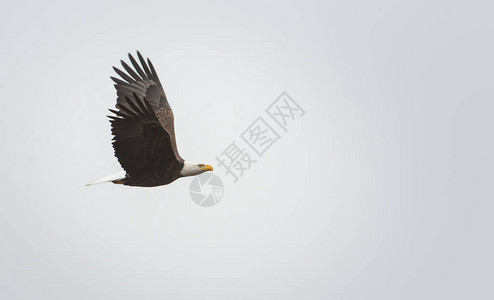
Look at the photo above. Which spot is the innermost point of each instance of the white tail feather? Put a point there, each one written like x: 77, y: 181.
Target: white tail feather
x: 109, y: 178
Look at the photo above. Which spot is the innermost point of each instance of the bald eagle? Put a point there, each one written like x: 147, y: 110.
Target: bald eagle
x: 143, y: 130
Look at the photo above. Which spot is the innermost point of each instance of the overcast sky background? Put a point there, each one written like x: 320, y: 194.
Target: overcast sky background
x: 383, y: 190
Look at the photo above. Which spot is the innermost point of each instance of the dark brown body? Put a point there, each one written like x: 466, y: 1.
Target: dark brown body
x: 154, y: 178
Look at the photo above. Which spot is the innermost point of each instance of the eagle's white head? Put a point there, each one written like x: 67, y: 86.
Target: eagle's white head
x: 191, y: 169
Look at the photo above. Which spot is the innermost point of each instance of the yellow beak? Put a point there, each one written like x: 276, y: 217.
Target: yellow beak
x: 207, y: 168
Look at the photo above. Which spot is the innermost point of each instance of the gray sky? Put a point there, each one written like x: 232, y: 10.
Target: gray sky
x: 382, y: 190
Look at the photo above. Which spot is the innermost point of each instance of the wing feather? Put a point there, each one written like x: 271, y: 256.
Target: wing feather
x: 118, y: 81
x: 141, y: 144
x: 130, y: 71
x: 137, y: 67
x: 123, y: 75
x: 141, y: 81
x: 144, y: 65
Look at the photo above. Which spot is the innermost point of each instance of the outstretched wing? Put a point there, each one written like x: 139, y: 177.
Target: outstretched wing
x: 141, y: 144
x: 144, y: 82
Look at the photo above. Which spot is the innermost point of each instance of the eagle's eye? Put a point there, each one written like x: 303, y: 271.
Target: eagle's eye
x: 200, y: 165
